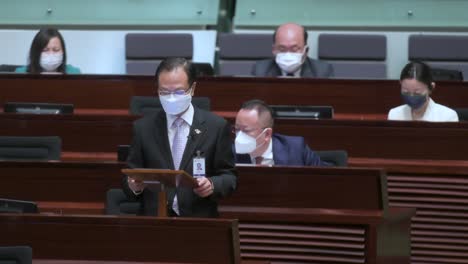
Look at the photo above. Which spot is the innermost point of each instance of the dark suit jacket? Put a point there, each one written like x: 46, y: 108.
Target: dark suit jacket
x: 150, y: 149
x: 310, y: 69
x: 289, y: 151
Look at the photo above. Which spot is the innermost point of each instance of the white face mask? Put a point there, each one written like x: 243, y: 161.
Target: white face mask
x: 246, y: 144
x: 175, y: 104
x: 290, y: 61
x: 51, y: 61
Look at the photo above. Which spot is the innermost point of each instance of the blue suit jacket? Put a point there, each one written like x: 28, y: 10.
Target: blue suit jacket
x: 290, y: 151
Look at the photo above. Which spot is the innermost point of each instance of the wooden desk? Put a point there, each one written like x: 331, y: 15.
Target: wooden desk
x: 437, y: 191
x: 99, y: 135
x: 98, y: 92
x: 318, y: 215
x: 383, y: 139
x: 348, y: 223
x: 61, y: 187
x: 357, y: 99
x: 109, y: 238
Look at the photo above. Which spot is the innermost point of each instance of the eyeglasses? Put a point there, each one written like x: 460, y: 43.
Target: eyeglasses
x: 176, y: 92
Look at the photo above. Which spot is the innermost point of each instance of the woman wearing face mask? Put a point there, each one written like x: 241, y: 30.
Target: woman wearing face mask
x: 416, y: 88
x: 48, y: 54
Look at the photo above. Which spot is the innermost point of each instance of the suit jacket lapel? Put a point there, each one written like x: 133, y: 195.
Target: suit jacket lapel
x: 162, y: 139
x: 308, y: 69
x: 280, y: 152
x: 274, y: 70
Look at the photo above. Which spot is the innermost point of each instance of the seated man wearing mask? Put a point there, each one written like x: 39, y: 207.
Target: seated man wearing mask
x: 256, y: 143
x: 290, y: 50
x: 177, y: 137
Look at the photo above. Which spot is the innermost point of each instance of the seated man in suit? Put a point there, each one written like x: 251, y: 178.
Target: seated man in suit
x: 256, y: 143
x: 290, y: 56
x: 173, y: 137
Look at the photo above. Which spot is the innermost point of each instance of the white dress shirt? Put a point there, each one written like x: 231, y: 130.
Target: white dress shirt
x: 267, y: 155
x: 434, y: 113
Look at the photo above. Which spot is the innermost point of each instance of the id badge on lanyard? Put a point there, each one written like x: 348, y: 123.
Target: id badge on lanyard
x: 199, y: 166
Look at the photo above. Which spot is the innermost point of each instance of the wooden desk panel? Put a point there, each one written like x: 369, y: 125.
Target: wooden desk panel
x: 99, y: 135
x: 79, y: 133
x: 342, y: 231
x: 307, y: 187
x: 111, y: 238
x: 68, y: 182
x: 321, y: 236
x: 84, y: 91
x: 278, y: 208
x: 113, y: 92
x: 383, y: 139
x: 61, y: 261
x: 438, y: 192
x: 438, y: 189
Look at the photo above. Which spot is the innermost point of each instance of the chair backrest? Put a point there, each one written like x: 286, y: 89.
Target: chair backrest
x: 446, y: 75
x: 117, y: 203
x: 144, y: 51
x: 16, y: 255
x: 203, y: 69
x: 239, y: 52
x: 440, y: 51
x: 462, y: 114
x: 37, y: 148
x: 141, y: 105
x: 8, y: 67
x: 337, y: 158
x: 355, y: 55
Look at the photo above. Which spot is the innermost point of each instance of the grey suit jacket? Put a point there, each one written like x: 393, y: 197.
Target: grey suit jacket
x: 310, y: 69
x: 150, y: 149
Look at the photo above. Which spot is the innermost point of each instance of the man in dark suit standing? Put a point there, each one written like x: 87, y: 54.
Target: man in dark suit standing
x: 290, y: 56
x: 257, y: 144
x: 176, y: 136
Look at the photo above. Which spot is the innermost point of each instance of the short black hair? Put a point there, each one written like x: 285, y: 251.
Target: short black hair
x: 305, y: 36
x: 40, y: 41
x: 418, y: 70
x: 172, y: 63
x: 262, y: 108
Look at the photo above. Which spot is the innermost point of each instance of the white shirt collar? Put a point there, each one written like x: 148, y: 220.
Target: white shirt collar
x: 429, y: 109
x: 187, y: 117
x: 267, y: 155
